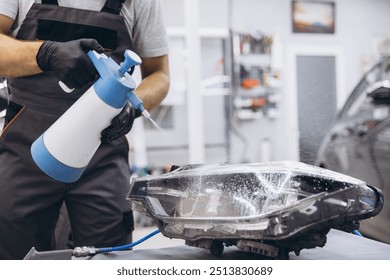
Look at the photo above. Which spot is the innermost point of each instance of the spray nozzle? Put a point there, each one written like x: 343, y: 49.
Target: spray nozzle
x: 131, y: 59
x: 136, y: 102
x: 145, y: 113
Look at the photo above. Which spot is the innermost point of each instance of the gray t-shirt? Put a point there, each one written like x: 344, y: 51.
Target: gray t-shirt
x: 144, y: 20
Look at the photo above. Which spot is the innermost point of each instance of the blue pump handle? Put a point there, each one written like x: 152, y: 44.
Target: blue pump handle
x: 131, y: 59
x: 119, y: 79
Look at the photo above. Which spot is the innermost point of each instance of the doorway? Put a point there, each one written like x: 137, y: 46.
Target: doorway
x: 316, y: 88
x: 315, y: 92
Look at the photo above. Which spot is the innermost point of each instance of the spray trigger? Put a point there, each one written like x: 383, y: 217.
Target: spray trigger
x: 65, y: 87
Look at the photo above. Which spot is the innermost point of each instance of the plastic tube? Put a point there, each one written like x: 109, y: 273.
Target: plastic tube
x: 127, y: 246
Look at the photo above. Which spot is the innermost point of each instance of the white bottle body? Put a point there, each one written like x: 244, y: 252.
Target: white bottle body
x: 74, y: 138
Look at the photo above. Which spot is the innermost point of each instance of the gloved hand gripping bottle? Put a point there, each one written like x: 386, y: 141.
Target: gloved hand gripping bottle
x: 66, y: 148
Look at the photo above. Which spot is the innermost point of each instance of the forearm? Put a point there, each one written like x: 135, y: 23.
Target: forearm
x: 154, y: 86
x: 18, y: 58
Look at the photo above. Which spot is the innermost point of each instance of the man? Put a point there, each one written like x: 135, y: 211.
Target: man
x: 41, y: 43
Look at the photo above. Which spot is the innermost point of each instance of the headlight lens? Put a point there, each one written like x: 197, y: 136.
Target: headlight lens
x: 253, y: 201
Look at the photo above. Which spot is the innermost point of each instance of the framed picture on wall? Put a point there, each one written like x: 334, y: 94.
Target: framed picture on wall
x: 313, y: 17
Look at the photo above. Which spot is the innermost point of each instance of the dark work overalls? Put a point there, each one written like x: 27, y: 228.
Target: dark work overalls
x: 30, y: 201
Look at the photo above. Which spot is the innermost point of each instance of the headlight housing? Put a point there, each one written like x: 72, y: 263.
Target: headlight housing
x: 270, y: 202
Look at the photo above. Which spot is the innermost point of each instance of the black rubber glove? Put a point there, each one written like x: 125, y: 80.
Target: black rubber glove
x: 121, y: 124
x: 69, y: 60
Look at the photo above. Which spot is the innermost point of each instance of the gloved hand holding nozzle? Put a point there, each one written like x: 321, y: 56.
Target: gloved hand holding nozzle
x: 69, y: 61
x: 121, y: 124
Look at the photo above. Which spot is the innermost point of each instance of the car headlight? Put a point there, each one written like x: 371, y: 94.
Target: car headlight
x: 264, y: 201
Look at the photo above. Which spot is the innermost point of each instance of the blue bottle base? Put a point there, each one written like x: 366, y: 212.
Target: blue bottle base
x: 52, y: 166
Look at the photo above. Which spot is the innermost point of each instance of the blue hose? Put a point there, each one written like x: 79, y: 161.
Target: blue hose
x: 127, y: 246
x: 356, y: 232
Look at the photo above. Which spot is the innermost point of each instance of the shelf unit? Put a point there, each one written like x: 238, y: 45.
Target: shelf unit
x: 256, y: 83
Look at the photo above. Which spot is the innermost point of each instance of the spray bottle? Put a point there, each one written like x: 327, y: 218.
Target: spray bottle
x: 65, y: 149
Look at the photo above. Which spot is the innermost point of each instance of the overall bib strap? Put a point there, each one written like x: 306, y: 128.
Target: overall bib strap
x: 113, y: 6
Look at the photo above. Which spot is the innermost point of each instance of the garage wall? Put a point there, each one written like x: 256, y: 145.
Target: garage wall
x: 360, y: 25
